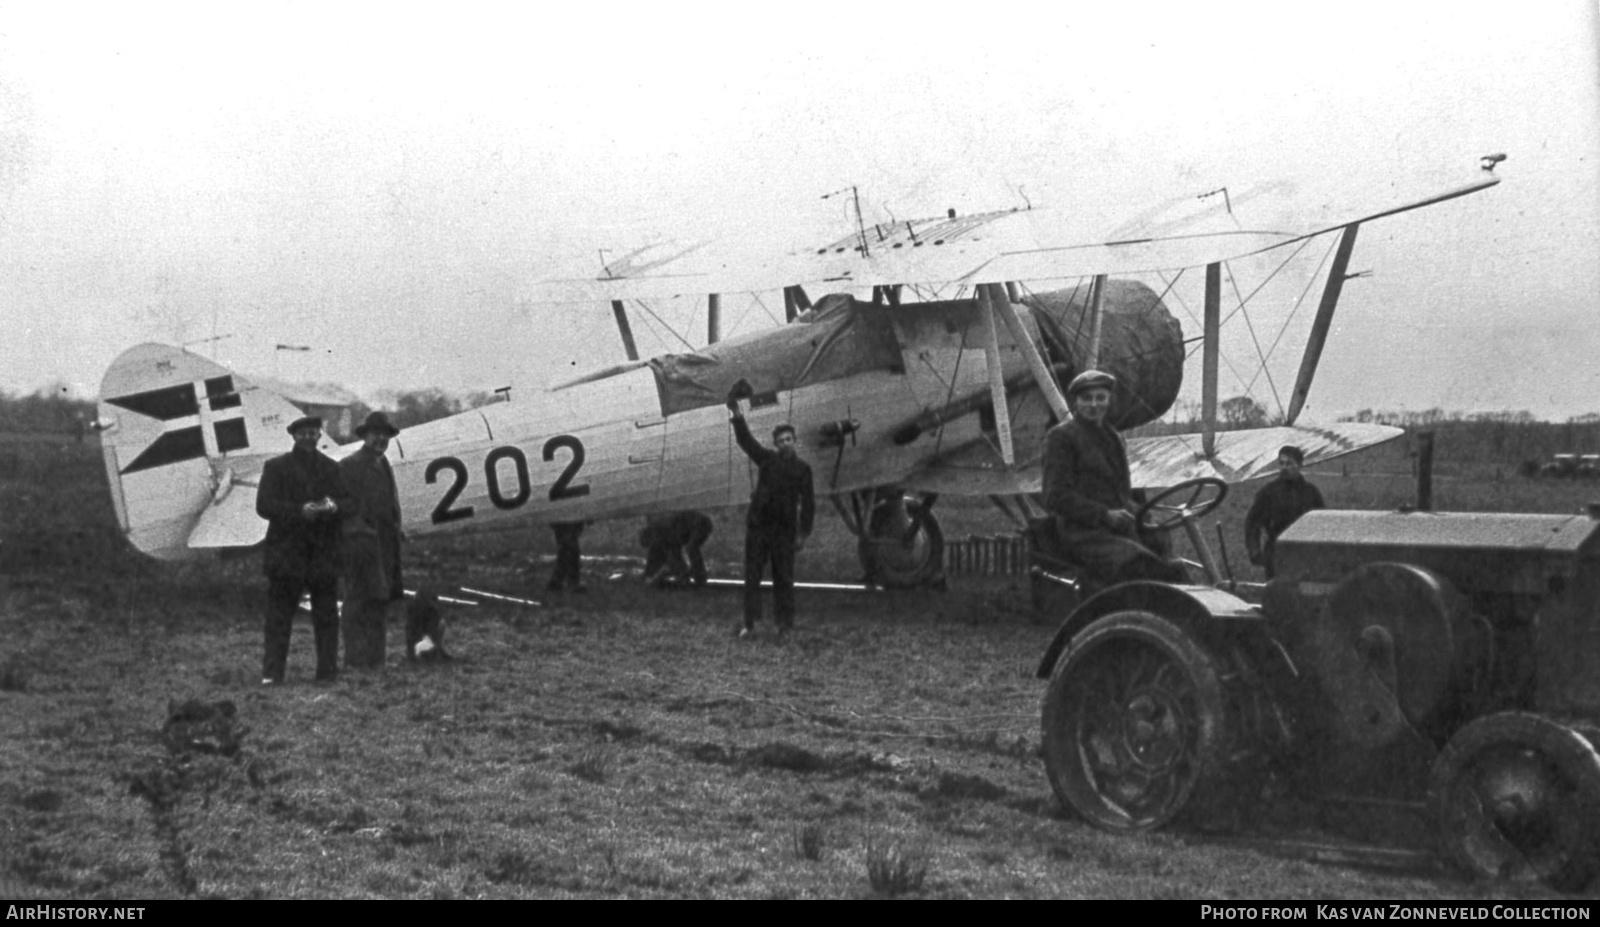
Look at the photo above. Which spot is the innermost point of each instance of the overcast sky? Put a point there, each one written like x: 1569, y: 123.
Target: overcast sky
x: 379, y: 182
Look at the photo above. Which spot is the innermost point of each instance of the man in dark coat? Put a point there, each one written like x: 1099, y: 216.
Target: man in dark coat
x: 782, y: 507
x: 669, y: 537
x: 1277, y: 506
x: 370, y: 543
x: 300, y: 496
x: 1088, y: 488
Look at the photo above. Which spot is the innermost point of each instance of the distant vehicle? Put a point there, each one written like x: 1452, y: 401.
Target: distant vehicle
x: 1569, y: 466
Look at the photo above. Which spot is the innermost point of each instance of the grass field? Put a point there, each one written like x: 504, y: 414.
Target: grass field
x: 618, y: 743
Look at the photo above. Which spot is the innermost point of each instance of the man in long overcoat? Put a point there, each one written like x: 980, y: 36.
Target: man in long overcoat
x: 1088, y: 488
x: 370, y: 545
x: 300, y: 496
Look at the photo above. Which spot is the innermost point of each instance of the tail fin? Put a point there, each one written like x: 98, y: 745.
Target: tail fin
x: 181, y: 433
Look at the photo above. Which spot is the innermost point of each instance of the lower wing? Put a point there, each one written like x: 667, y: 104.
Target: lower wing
x: 1156, y: 462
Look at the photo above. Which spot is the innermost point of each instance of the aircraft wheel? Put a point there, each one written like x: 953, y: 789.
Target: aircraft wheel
x: 1134, y: 722
x: 900, y: 551
x: 1516, y: 796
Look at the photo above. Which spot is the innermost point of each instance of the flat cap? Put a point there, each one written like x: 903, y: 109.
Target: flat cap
x: 1090, y: 379
x: 306, y: 421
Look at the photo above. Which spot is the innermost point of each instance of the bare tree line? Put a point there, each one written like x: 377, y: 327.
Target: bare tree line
x: 1504, y: 436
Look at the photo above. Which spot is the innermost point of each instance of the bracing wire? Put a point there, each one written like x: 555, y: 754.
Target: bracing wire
x: 762, y: 303
x: 955, y: 377
x: 1281, y: 265
x: 1251, y: 328
x: 743, y: 315
x: 1175, y: 279
x: 1303, y: 293
x: 1241, y: 308
x: 1189, y: 353
x: 651, y: 330
x: 669, y: 328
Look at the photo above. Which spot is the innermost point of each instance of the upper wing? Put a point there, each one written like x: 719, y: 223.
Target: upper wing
x: 993, y: 247
x: 984, y: 248
x: 1156, y: 462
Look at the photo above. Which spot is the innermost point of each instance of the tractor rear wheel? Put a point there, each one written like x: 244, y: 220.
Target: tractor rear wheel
x: 1516, y: 796
x: 1134, y: 723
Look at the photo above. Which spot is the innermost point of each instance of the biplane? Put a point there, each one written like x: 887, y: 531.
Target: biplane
x: 897, y: 398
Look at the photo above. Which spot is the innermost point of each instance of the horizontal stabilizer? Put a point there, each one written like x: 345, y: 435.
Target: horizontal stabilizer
x: 232, y: 522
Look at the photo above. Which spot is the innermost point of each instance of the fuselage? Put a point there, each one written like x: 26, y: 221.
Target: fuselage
x: 911, y: 380
x: 876, y: 392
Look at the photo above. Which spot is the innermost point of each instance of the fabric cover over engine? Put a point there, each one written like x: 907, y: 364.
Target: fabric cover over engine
x: 837, y: 337
x: 1141, y: 344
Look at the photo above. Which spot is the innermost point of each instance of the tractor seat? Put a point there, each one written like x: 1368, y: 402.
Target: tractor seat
x: 1047, y: 552
x: 1062, y: 581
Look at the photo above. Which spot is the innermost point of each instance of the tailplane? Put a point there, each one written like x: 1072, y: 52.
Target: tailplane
x: 184, y: 439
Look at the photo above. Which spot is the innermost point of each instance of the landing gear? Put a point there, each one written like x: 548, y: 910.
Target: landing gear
x: 1135, y: 722
x: 901, y: 543
x: 1516, y: 796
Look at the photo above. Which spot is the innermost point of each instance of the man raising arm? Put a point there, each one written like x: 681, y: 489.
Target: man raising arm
x: 779, y: 520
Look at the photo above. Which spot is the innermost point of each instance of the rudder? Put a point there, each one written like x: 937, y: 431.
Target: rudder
x: 178, y: 430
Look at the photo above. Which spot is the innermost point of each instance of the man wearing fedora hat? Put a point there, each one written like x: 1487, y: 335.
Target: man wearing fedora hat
x: 301, y: 495
x: 370, y: 544
x: 1088, y: 488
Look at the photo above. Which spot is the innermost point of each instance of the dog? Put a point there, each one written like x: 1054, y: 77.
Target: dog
x: 425, y: 629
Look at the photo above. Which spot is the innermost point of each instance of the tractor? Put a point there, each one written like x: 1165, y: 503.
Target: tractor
x: 1444, y: 662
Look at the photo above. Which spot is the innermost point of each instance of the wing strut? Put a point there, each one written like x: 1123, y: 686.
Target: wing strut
x: 991, y: 359
x: 1096, y: 292
x: 1319, y: 326
x: 999, y: 299
x: 795, y: 301
x: 713, y: 318
x: 625, y: 329
x: 1209, y: 354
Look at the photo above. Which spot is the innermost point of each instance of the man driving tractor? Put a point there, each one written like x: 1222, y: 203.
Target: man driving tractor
x: 1088, y: 489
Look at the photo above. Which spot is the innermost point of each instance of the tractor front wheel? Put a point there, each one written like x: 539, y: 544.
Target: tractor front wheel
x: 1516, y: 796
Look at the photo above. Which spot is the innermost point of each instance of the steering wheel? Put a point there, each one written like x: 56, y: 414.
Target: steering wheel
x: 1159, y: 515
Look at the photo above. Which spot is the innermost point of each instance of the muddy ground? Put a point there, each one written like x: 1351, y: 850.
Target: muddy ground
x: 617, y: 743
